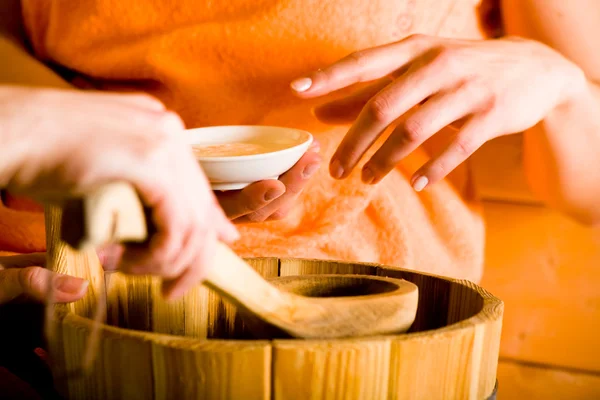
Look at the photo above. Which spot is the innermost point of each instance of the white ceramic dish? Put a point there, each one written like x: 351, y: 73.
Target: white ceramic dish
x: 276, y: 150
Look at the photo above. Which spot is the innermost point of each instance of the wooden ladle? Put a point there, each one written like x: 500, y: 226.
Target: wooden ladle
x: 114, y: 213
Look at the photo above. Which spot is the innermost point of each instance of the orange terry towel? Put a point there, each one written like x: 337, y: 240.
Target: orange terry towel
x: 231, y: 62
x: 21, y: 226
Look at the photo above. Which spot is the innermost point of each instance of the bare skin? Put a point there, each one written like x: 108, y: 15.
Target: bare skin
x: 561, y: 124
x: 543, y: 83
x: 47, y: 135
x: 262, y: 201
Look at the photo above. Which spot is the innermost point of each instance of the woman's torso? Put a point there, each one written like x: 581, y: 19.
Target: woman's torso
x: 231, y: 63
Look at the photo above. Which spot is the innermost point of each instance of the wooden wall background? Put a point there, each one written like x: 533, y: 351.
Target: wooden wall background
x: 546, y: 269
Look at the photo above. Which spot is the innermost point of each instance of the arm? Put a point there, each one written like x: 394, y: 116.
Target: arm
x: 23, y: 68
x: 561, y: 154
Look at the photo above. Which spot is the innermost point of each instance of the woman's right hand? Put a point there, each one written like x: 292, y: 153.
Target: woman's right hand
x: 70, y: 142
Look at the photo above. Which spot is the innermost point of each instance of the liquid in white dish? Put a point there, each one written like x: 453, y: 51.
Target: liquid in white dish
x: 235, y: 149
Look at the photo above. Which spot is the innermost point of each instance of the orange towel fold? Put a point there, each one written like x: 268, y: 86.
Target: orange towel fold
x: 21, y: 226
x: 231, y: 62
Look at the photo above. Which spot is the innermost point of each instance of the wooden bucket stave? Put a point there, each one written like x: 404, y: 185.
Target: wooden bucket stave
x: 451, y: 352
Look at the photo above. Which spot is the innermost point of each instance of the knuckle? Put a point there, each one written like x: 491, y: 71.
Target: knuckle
x: 417, y: 38
x: 326, y: 75
x: 465, y: 146
x: 359, y: 58
x: 167, y: 250
x: 170, y: 122
x: 31, y: 277
x: 446, y: 57
x: 438, y: 169
x: 380, y: 109
x: 257, y: 216
x: 144, y: 98
x: 491, y: 100
x: 249, y: 203
x: 479, y: 91
x: 140, y: 119
x: 294, y: 189
x: 414, y: 130
x: 279, y: 215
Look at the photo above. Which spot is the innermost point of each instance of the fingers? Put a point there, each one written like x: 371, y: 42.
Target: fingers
x: 426, y: 76
x: 346, y: 110
x: 33, y: 282
x: 140, y: 100
x: 439, y: 111
x: 160, y: 257
x: 294, y: 182
x: 363, y: 66
x: 473, y: 134
x: 251, y: 199
x: 110, y: 256
x: 226, y: 230
x: 195, y: 273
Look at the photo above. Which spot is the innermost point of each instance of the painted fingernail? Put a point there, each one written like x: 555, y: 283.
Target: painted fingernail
x: 367, y: 175
x: 70, y: 284
x: 336, y: 170
x: 420, y: 183
x: 272, y: 194
x: 42, y: 354
x: 301, y: 84
x: 310, y: 169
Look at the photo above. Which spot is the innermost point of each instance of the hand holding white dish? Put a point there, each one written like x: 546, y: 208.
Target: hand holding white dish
x: 233, y: 157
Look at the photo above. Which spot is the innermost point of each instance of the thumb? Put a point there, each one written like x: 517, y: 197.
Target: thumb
x: 33, y: 282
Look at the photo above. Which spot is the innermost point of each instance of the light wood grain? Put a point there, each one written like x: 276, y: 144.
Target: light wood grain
x: 216, y: 370
x: 497, y: 169
x: 64, y: 260
x: 224, y: 319
x: 468, y: 341
x: 123, y: 359
x: 451, y: 353
x: 290, y: 267
x: 331, y: 370
x: 546, y: 268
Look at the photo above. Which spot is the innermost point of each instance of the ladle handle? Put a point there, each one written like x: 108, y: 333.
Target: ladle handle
x: 115, y: 214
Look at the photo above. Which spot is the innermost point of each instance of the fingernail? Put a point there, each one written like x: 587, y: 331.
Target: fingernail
x: 310, y: 169
x: 367, y: 175
x: 272, y: 194
x: 301, y: 84
x: 336, y: 170
x: 42, y: 354
x: 70, y: 284
x: 420, y: 183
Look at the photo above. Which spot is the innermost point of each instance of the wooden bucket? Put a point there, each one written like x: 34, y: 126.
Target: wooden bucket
x: 196, y: 347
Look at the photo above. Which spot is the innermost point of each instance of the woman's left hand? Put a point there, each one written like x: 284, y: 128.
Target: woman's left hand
x: 496, y: 87
x: 24, y: 277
